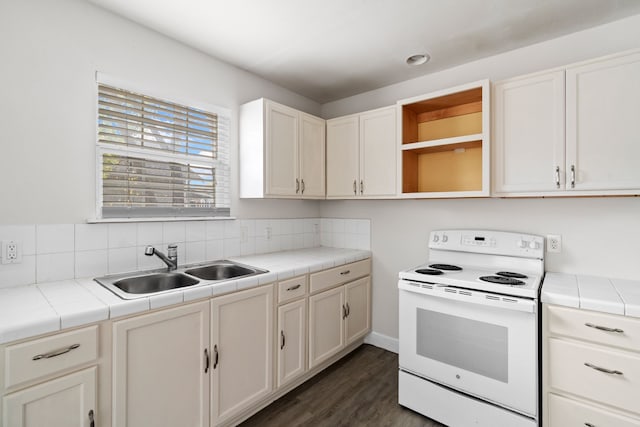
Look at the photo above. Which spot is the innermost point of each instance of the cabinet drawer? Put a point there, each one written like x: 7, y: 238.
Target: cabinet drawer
x: 568, y: 371
x: 45, y: 356
x: 292, y: 288
x: 565, y: 412
x: 601, y: 328
x: 339, y: 275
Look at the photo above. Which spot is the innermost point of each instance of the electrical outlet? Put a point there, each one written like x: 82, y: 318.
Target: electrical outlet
x: 11, y: 252
x: 554, y: 243
x: 244, y: 234
x: 268, y: 232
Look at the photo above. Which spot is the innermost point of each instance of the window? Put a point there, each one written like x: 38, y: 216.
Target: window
x: 160, y: 159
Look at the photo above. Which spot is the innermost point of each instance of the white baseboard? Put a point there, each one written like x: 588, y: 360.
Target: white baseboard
x: 382, y: 341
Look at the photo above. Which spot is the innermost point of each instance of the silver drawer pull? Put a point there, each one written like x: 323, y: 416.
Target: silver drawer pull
x: 604, y: 328
x: 345, y: 272
x: 293, y: 288
x: 55, y: 353
x: 589, y: 425
x: 606, y: 371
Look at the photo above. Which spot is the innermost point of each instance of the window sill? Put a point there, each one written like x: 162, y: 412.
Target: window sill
x: 158, y: 219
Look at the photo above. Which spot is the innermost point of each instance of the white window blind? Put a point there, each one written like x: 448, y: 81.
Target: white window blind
x: 158, y: 158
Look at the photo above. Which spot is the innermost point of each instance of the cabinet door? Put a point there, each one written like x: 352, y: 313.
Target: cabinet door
x: 378, y: 153
x: 342, y: 157
x: 603, y: 101
x: 358, y: 305
x: 529, y: 134
x: 326, y: 328
x: 312, y: 163
x: 292, y: 341
x: 242, y: 342
x: 159, y: 360
x: 63, y: 402
x: 281, y: 150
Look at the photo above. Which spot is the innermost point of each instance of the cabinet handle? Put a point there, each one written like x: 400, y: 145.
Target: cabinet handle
x: 92, y: 423
x: 348, y: 310
x: 283, y: 340
x: 355, y: 191
x: 589, y: 425
x: 55, y: 353
x: 606, y: 371
x: 207, y: 361
x: 293, y: 288
x: 297, y: 185
x: 557, y: 176
x: 344, y: 312
x: 604, y: 328
x: 302, y: 183
x: 343, y: 273
x: 215, y: 358
x: 361, y: 187
x: 573, y: 176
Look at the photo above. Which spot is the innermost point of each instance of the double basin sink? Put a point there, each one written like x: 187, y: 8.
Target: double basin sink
x: 139, y: 285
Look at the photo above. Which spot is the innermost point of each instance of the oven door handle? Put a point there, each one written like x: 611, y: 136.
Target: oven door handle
x: 470, y: 296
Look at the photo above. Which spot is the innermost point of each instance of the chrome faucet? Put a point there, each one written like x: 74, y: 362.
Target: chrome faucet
x: 171, y: 259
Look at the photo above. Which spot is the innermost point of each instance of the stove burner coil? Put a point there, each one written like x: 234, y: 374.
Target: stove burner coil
x: 429, y: 271
x: 511, y: 274
x: 446, y: 267
x: 502, y: 280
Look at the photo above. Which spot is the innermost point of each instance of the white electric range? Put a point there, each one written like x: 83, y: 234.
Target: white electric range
x: 469, y: 329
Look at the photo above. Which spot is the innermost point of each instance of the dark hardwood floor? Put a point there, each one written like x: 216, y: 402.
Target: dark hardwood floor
x: 359, y: 390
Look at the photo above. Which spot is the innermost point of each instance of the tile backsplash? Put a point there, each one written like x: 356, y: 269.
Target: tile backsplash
x: 54, y: 252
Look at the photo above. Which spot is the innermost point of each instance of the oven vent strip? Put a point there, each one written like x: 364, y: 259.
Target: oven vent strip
x: 465, y: 291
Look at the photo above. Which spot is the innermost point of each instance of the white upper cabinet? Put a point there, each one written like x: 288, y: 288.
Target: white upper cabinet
x: 529, y: 134
x: 571, y: 131
x: 361, y: 155
x: 603, y: 124
x: 281, y: 152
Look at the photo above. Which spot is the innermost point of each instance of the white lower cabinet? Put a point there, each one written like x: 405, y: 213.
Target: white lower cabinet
x: 160, y: 369
x: 292, y: 345
x: 337, y: 318
x: 591, y: 368
x: 68, y: 401
x: 242, y: 344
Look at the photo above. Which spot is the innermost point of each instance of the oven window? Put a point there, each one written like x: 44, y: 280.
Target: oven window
x: 468, y: 344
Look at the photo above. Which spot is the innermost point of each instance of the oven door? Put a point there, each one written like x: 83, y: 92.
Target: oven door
x: 478, y: 345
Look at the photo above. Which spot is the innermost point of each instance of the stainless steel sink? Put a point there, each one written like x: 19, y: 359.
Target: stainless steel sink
x: 222, y: 270
x: 144, y: 284
x: 154, y: 283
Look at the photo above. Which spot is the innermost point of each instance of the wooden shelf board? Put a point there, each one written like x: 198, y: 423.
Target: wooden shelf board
x: 443, y: 142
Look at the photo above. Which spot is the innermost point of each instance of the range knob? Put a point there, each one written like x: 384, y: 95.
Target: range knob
x: 533, y: 245
x: 522, y: 244
x: 445, y: 238
x: 436, y: 238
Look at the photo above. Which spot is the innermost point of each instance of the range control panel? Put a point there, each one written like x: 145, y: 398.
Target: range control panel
x: 488, y: 242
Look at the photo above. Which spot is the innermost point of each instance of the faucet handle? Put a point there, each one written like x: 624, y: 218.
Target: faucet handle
x: 172, y: 250
x: 149, y: 250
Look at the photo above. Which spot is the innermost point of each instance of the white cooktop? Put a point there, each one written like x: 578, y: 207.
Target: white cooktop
x: 469, y: 278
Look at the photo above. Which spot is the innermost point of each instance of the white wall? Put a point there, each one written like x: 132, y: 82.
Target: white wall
x: 50, y: 51
x: 600, y: 236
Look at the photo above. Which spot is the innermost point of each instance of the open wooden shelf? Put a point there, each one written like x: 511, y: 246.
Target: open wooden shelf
x: 444, y: 143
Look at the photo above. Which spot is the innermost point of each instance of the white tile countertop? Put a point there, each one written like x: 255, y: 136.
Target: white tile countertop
x: 615, y: 296
x: 27, y: 311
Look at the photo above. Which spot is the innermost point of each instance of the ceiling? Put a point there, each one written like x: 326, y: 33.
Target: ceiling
x: 331, y: 49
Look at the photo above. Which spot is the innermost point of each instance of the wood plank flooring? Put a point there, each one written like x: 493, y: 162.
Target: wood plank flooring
x: 359, y: 390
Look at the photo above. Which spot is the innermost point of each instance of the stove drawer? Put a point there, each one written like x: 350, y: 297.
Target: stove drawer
x: 565, y: 412
x: 606, y: 376
x: 601, y: 328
